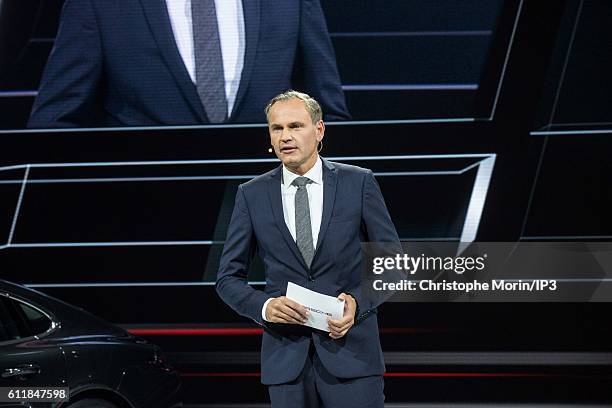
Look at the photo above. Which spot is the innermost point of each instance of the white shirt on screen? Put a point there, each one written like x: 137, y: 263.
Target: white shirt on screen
x: 230, y: 19
x: 315, y: 204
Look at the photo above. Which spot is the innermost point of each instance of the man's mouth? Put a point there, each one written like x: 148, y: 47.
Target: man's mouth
x: 288, y: 149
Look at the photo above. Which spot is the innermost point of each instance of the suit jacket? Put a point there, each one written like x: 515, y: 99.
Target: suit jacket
x: 116, y: 63
x: 353, y: 211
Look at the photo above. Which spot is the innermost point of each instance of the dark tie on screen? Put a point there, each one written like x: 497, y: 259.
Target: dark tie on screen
x: 210, y: 80
x: 303, y: 227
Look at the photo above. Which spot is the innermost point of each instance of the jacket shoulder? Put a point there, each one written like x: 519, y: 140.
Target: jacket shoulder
x: 259, y: 181
x: 349, y: 169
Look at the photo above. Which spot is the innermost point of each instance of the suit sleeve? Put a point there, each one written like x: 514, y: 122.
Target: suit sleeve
x: 378, y: 228
x: 318, y: 62
x: 232, y: 285
x: 68, y: 92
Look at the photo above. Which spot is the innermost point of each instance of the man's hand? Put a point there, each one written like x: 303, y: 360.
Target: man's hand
x: 285, y: 310
x: 338, y: 328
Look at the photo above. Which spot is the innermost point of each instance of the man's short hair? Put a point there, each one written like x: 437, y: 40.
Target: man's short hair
x: 312, y: 106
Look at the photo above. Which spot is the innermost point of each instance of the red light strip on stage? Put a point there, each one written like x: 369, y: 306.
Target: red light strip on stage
x: 464, y: 375
x: 247, y: 331
x: 220, y: 374
x: 411, y: 330
x: 230, y: 331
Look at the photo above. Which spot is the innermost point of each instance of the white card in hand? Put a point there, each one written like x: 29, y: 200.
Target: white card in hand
x: 319, y: 306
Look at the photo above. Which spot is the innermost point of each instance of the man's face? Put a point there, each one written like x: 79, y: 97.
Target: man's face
x: 293, y: 135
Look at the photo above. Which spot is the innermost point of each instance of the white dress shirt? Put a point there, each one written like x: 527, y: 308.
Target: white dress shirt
x: 315, y: 204
x: 230, y: 19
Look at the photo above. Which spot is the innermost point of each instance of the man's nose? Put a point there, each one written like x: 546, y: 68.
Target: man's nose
x: 286, y: 135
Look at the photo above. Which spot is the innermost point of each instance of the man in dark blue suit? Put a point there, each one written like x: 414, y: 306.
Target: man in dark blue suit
x: 152, y: 62
x: 307, y: 219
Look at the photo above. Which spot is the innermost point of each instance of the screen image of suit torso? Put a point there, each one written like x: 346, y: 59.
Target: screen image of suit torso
x: 121, y: 64
x: 433, y: 57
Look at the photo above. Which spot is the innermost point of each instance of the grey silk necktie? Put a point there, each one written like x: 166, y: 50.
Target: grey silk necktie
x: 303, y: 227
x: 210, y: 80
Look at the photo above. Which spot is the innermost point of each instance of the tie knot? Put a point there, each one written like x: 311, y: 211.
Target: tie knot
x: 301, y: 182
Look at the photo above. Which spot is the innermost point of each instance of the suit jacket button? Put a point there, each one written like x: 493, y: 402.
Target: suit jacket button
x: 310, y: 278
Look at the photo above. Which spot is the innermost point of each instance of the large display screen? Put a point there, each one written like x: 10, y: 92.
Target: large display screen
x: 86, y: 64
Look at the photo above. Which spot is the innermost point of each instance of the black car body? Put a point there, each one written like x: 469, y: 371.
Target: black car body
x: 45, y: 342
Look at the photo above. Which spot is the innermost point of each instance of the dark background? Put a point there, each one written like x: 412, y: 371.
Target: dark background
x: 541, y: 107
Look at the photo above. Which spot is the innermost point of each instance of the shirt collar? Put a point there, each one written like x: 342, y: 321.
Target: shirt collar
x: 315, y: 174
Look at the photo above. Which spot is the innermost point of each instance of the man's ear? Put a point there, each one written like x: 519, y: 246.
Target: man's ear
x: 320, y: 130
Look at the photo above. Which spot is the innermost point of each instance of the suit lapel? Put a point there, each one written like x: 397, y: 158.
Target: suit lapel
x: 251, y: 11
x: 274, y: 193
x: 157, y: 16
x: 330, y: 179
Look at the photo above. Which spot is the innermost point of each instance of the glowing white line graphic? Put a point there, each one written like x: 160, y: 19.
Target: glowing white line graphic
x: 470, y: 227
x: 18, y: 207
x: 411, y: 87
x: 571, y: 132
x: 503, y: 74
x: 112, y: 243
x: 476, y: 203
x: 242, y: 161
